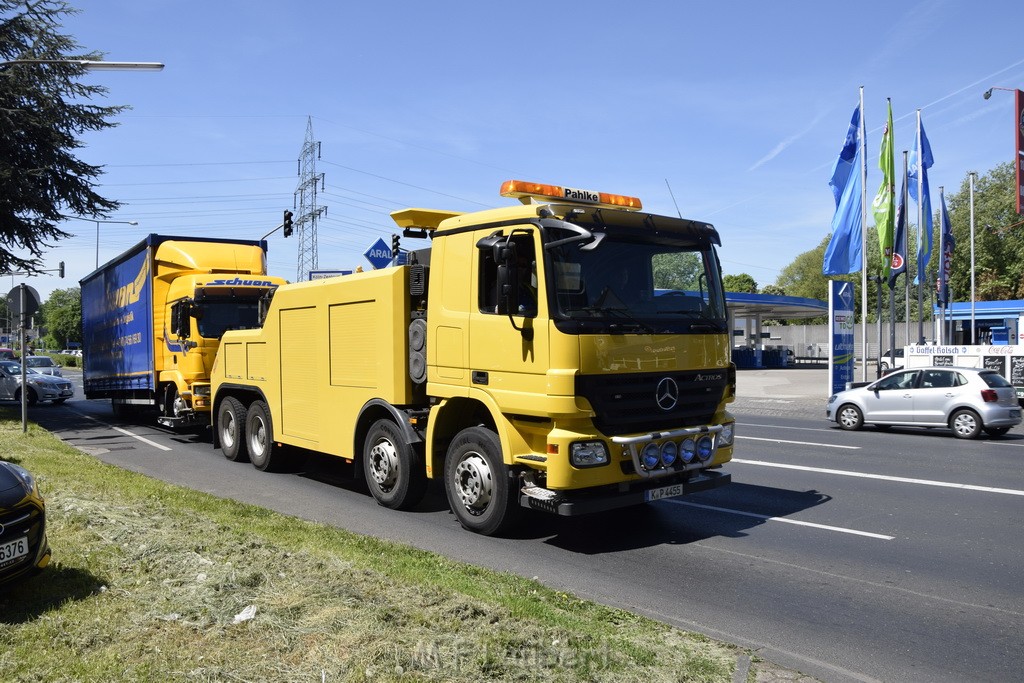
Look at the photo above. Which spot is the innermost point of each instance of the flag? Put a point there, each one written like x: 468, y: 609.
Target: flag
x: 882, y: 206
x: 898, y: 262
x: 922, y: 166
x: 948, y: 244
x: 843, y: 254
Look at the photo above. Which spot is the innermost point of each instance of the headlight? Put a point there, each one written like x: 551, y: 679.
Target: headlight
x: 705, y: 448
x: 201, y: 389
x: 26, y: 477
x: 832, y: 399
x: 669, y: 453
x: 651, y: 456
x: 586, y: 453
x: 689, y: 449
x: 727, y: 434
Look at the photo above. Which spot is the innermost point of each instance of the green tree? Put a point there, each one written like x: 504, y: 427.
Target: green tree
x: 998, y: 238
x: 62, y: 316
x: 43, y: 112
x: 677, y: 271
x: 739, y: 283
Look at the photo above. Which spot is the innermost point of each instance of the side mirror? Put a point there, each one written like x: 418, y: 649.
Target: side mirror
x: 180, y: 319
x: 508, y: 289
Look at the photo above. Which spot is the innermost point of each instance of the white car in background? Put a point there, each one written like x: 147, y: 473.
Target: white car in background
x: 40, y: 387
x: 43, y: 365
x: 967, y: 400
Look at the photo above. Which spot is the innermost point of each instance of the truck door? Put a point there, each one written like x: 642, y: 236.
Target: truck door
x: 508, y: 354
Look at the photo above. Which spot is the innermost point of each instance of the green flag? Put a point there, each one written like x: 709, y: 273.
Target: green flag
x: 883, y: 206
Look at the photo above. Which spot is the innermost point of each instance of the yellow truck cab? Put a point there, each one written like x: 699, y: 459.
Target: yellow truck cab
x: 152, y: 319
x: 568, y: 354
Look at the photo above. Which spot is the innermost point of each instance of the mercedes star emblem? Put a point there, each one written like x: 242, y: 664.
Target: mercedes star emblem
x: 667, y: 395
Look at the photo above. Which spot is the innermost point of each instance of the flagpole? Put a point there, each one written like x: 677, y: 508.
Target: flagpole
x: 941, y: 279
x: 902, y: 250
x: 920, y: 233
x: 906, y: 254
x: 972, y: 174
x: 863, y: 242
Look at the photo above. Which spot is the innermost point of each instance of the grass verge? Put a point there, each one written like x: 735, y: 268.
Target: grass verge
x: 156, y: 582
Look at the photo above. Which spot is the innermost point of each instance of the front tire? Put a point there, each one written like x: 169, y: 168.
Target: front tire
x: 479, y: 485
x: 849, y: 417
x: 259, y: 439
x: 394, y: 470
x: 231, y: 417
x: 31, y: 398
x: 965, y: 424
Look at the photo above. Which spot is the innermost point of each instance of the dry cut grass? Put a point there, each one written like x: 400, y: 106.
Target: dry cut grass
x: 152, y: 582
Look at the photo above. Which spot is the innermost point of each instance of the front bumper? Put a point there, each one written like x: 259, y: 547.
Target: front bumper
x: 582, y: 502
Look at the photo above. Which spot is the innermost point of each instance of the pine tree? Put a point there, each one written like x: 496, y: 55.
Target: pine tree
x: 43, y: 112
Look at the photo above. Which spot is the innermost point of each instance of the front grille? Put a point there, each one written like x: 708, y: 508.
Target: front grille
x: 26, y: 519
x: 629, y: 403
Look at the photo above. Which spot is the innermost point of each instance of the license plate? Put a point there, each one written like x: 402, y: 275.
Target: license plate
x: 13, y: 550
x: 1020, y: 392
x: 663, y: 492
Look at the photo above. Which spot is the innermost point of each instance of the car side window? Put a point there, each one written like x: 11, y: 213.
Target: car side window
x: 897, y: 380
x: 937, y: 379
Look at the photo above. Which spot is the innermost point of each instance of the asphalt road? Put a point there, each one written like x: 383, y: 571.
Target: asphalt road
x: 848, y: 556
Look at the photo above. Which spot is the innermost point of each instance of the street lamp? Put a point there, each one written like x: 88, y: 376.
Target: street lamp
x: 91, y: 64
x: 98, y: 234
x: 97, y: 222
x: 988, y: 93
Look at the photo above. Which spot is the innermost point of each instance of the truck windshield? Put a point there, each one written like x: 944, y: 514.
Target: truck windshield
x: 218, y: 316
x: 627, y: 282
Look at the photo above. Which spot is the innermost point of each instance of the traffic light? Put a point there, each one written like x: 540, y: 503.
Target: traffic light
x: 287, y: 223
x: 394, y: 245
x: 60, y: 270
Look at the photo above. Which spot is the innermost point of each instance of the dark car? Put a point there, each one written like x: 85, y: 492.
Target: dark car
x: 23, y: 546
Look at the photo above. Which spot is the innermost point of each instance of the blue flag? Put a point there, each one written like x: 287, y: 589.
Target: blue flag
x: 843, y: 254
x: 948, y: 244
x: 923, y: 253
x: 898, y: 260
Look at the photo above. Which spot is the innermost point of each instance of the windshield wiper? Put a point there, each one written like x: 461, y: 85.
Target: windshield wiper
x: 622, y: 313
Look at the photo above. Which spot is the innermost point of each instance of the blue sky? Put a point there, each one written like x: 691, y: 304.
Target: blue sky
x: 741, y: 108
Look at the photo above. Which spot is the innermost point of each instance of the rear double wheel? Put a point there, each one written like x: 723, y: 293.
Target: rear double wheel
x: 259, y: 439
x: 231, y: 416
x: 393, y: 468
x: 480, y: 487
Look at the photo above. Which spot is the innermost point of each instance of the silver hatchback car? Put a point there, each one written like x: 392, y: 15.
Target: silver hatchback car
x: 967, y: 400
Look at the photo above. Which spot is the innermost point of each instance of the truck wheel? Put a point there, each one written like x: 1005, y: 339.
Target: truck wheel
x: 479, y: 484
x: 173, y: 405
x: 259, y: 439
x: 394, y: 469
x: 231, y: 429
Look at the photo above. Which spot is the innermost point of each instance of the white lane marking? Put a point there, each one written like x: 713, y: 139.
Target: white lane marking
x: 883, y: 477
x: 143, y: 439
x: 800, y: 443
x: 826, y: 527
